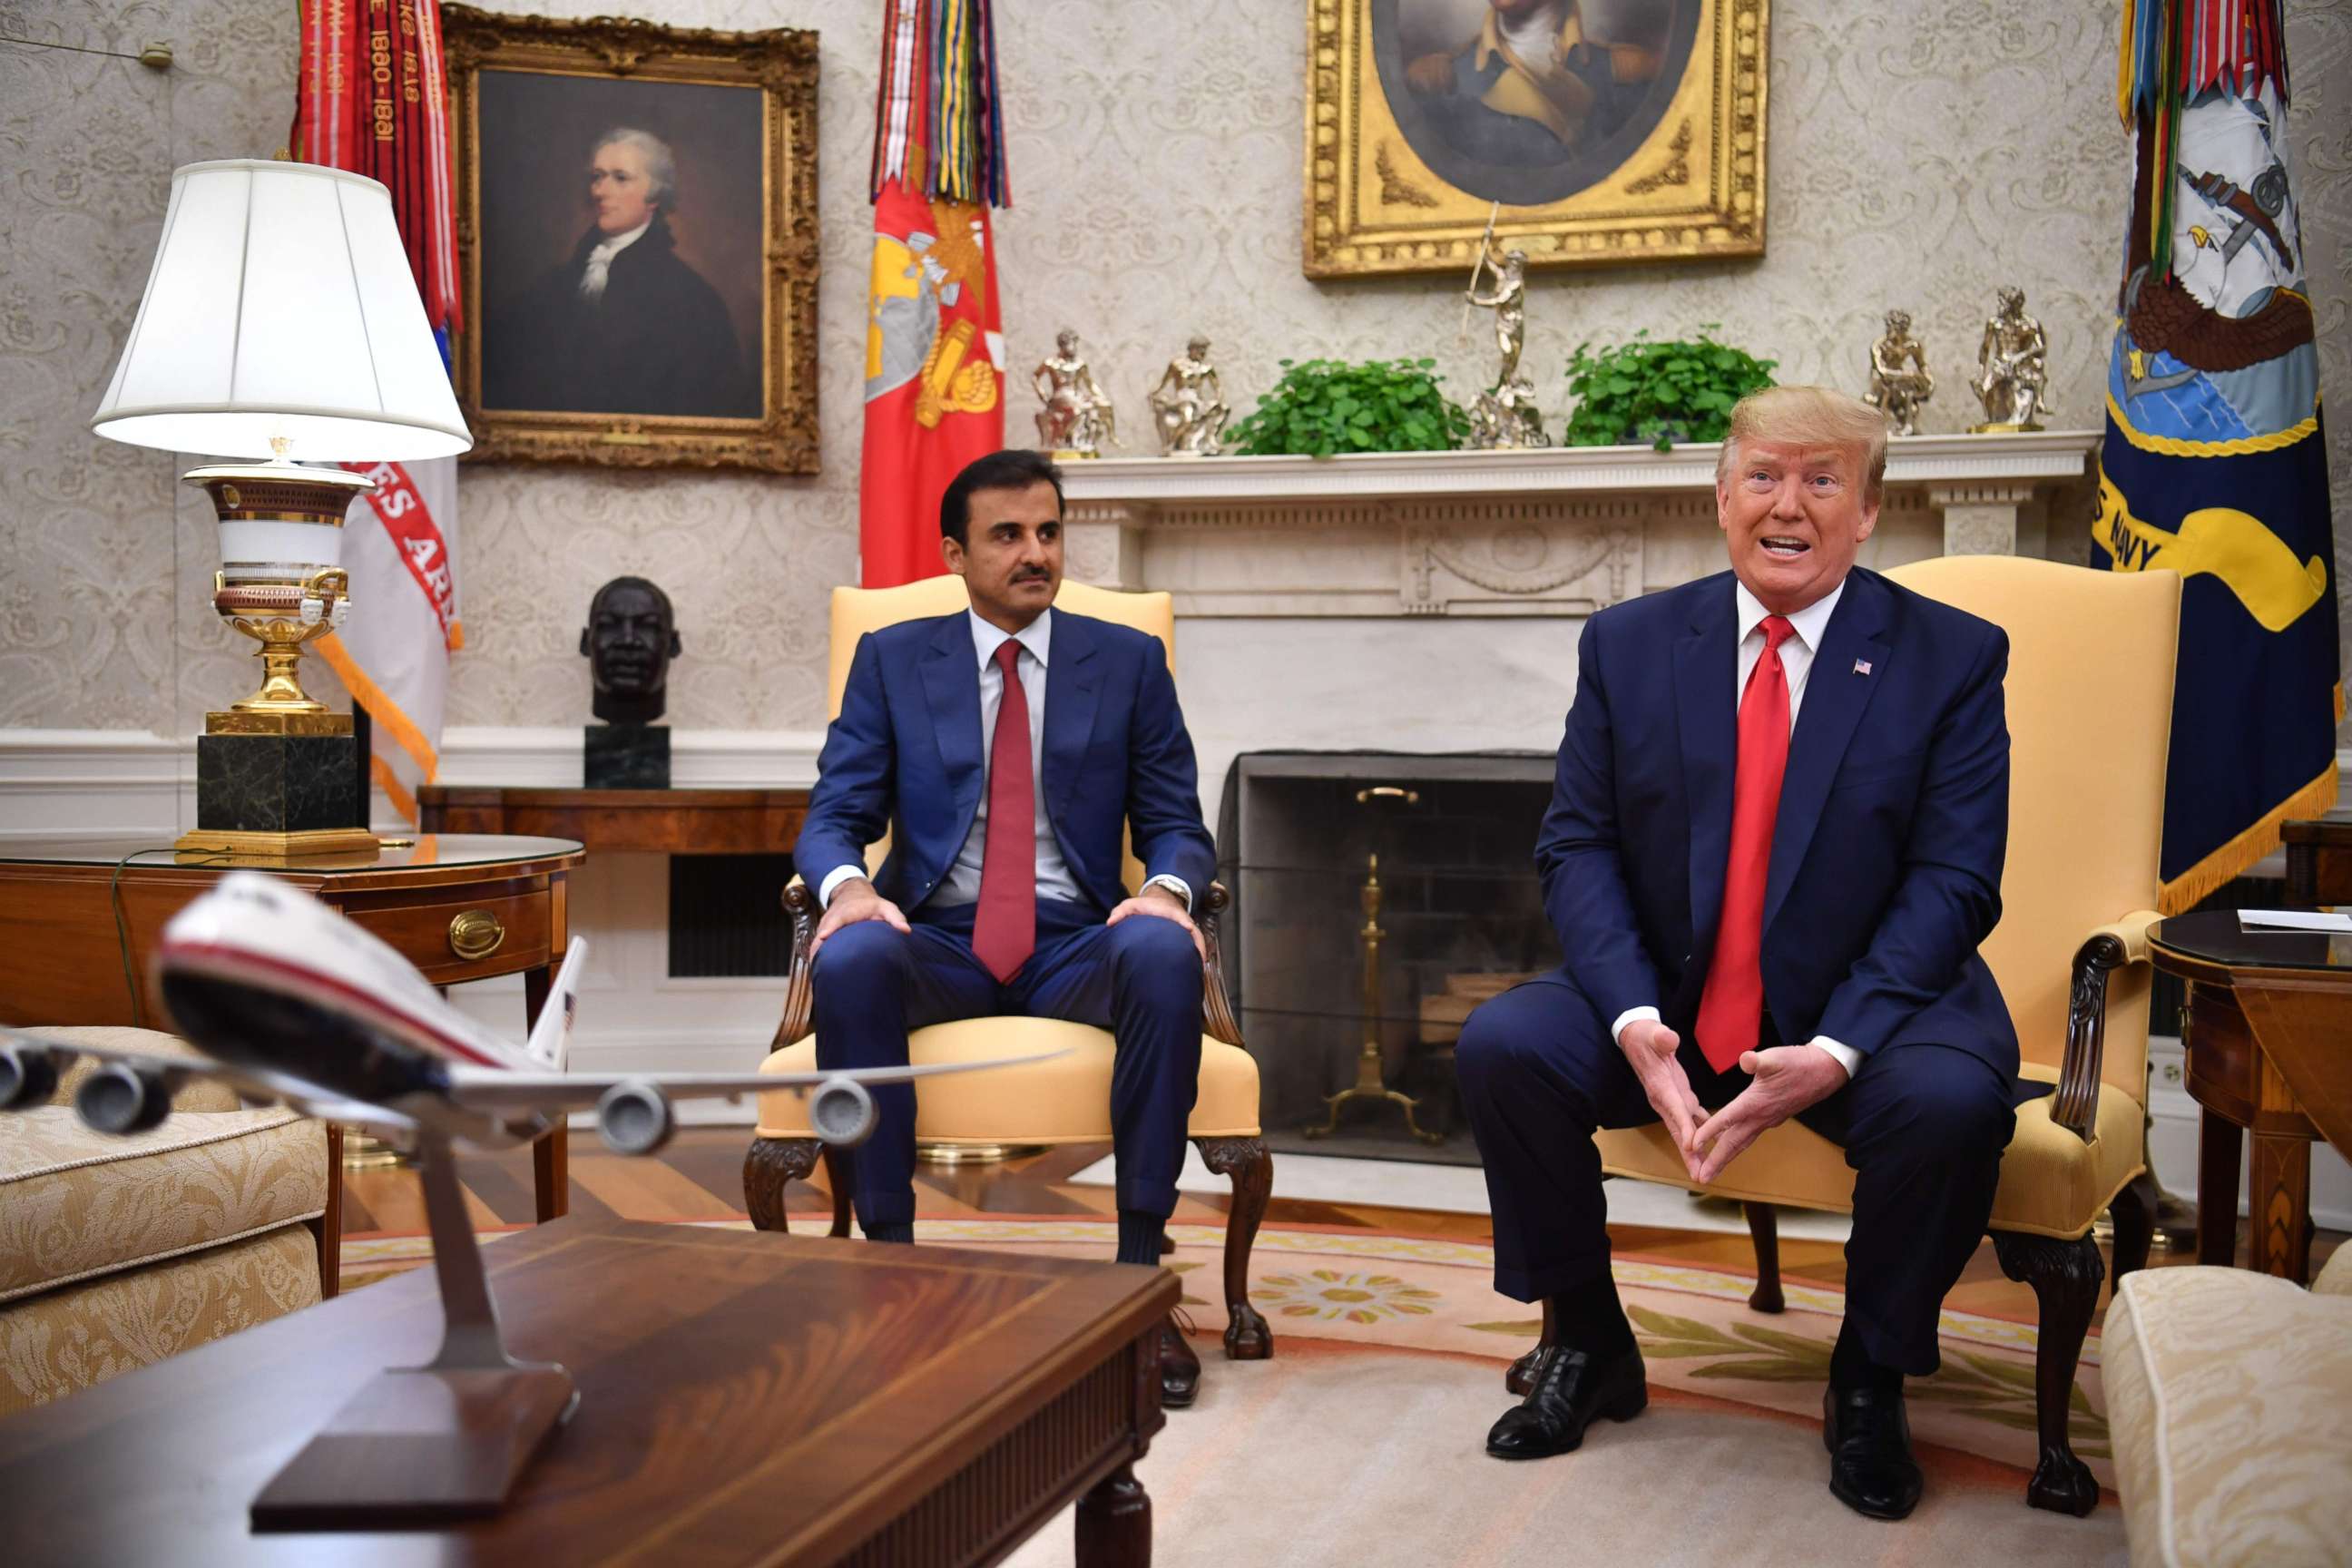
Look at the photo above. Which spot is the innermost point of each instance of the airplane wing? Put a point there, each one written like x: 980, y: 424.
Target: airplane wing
x: 494, y: 1092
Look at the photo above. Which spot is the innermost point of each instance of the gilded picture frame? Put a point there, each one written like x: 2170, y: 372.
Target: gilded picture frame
x: 636, y: 210
x: 1637, y: 136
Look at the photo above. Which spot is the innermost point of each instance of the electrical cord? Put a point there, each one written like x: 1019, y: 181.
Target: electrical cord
x: 122, y: 922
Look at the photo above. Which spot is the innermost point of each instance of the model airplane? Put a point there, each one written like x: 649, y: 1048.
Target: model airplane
x: 293, y: 1003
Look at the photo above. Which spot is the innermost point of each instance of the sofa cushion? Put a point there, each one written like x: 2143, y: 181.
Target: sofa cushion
x: 77, y: 1335
x: 76, y: 1204
x: 1066, y: 1101
x: 2230, y: 1405
x: 2052, y: 1182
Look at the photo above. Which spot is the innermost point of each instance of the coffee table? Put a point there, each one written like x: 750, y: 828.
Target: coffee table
x: 745, y: 1398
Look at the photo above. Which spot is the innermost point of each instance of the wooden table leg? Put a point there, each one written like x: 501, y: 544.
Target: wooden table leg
x: 2219, y: 1144
x: 1115, y: 1523
x: 2280, y: 1238
x: 551, y: 1167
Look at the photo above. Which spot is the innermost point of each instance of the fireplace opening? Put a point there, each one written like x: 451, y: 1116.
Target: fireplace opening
x: 1378, y: 898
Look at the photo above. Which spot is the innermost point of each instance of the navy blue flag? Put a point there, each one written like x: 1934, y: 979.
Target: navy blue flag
x: 2214, y: 465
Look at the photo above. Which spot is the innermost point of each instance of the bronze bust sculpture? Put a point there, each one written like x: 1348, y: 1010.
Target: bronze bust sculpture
x: 630, y: 638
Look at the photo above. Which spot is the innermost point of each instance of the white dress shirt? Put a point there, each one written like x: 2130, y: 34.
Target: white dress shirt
x: 962, y: 883
x: 599, y: 269
x: 1796, y: 663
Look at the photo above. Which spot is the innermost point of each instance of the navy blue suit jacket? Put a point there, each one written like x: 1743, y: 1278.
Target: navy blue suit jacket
x: 906, y: 752
x: 1886, y: 852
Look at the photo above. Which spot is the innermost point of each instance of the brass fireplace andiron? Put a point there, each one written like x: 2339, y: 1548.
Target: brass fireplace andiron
x: 1369, y: 1084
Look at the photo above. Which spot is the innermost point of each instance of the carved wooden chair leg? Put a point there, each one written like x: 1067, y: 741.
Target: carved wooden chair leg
x: 769, y: 1165
x: 1764, y: 1226
x: 2135, y: 1215
x: 837, y: 1176
x: 1250, y: 1169
x: 2065, y: 1278
x: 1518, y: 1380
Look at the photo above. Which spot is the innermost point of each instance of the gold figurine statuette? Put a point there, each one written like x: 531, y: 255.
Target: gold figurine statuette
x: 1187, y: 406
x: 1504, y: 415
x: 1078, y: 417
x: 1892, y: 388
x: 2012, y: 368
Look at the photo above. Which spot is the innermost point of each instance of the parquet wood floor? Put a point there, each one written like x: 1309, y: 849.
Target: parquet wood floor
x: 699, y: 1176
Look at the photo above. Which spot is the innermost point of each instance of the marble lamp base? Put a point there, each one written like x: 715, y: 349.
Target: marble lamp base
x: 271, y: 790
x: 626, y: 756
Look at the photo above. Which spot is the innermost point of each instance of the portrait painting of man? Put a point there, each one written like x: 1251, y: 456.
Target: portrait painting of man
x: 620, y: 246
x: 1529, y: 102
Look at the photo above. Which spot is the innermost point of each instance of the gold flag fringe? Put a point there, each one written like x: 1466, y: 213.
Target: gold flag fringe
x: 2186, y: 890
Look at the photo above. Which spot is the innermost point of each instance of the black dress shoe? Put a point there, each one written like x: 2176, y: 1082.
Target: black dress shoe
x: 1180, y: 1369
x: 1566, y: 1390
x: 1869, y: 1439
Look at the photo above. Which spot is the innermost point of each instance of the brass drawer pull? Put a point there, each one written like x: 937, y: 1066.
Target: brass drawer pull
x: 476, y: 934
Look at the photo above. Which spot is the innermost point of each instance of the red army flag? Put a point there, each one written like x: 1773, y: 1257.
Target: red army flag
x: 934, y: 340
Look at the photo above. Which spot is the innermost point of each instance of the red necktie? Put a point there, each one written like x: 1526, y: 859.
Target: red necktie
x: 1731, y: 1008
x: 1004, y: 927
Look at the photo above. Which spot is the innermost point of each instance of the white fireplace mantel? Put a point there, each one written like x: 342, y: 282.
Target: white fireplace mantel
x: 1562, y: 531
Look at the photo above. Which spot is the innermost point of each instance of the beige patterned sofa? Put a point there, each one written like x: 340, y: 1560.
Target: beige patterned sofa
x: 117, y: 1252
x: 2230, y: 1405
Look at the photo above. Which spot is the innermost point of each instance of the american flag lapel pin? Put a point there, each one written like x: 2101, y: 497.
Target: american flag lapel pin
x: 1862, y: 667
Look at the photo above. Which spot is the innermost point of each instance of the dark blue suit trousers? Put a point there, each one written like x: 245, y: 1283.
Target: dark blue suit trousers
x: 1141, y: 979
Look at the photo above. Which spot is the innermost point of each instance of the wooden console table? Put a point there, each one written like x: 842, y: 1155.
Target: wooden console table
x: 744, y: 1398
x: 62, y: 958
x: 2268, y: 1038
x: 650, y: 821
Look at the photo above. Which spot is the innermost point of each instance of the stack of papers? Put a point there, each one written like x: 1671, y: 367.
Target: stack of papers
x: 2294, y: 920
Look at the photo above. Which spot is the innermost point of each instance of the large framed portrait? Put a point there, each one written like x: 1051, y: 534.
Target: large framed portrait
x: 1590, y: 131
x: 637, y: 236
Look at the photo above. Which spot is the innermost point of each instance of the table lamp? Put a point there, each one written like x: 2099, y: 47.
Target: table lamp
x: 281, y: 323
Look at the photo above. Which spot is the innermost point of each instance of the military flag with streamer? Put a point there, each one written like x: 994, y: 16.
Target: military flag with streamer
x: 2214, y: 464
x: 372, y: 97
x: 934, y: 341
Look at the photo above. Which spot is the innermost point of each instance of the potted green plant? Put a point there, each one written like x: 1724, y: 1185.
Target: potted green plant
x: 1323, y: 408
x: 1660, y: 392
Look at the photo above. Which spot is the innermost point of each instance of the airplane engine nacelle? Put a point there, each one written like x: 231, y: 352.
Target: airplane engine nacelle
x: 841, y: 1112
x: 26, y: 1078
x: 119, y: 1098
x: 634, y: 1118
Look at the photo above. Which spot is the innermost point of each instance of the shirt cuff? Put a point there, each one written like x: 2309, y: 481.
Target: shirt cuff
x: 1617, y: 1029
x: 833, y: 878
x: 1176, y: 885
x: 1845, y: 1056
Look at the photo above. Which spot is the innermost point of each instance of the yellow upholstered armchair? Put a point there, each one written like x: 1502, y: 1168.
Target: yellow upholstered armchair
x: 2090, y: 710
x: 1066, y: 1101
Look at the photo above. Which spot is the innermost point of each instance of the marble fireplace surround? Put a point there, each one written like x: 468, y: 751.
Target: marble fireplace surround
x: 1430, y: 602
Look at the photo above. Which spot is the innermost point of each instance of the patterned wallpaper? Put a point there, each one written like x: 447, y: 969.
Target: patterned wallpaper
x: 1919, y: 157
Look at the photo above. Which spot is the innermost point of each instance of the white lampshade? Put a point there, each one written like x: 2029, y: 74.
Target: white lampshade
x: 282, y: 306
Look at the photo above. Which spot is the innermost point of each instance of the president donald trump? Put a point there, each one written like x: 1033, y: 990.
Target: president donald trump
x: 1773, y: 848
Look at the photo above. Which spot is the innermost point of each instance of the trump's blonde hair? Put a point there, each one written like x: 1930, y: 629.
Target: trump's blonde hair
x: 1808, y: 417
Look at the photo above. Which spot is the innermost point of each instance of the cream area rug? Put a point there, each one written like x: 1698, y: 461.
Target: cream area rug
x: 1360, y: 1443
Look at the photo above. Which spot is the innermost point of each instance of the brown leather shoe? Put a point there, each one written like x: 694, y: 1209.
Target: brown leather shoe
x: 1180, y: 1369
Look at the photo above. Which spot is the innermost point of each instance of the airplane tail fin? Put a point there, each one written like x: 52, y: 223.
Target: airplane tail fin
x: 551, y: 1041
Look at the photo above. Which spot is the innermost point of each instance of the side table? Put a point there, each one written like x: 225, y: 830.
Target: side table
x: 70, y: 906
x: 649, y: 821
x: 2268, y: 1038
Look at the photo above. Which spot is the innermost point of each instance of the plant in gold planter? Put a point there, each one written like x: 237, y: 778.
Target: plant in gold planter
x: 1323, y: 408
x: 1657, y: 394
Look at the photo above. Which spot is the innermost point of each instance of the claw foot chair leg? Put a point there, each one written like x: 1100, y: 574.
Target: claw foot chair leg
x: 768, y: 1167
x: 1245, y: 1160
x: 2066, y: 1276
